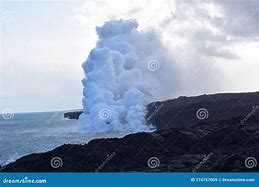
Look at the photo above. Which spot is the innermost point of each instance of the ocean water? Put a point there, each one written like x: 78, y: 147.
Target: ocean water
x: 28, y: 133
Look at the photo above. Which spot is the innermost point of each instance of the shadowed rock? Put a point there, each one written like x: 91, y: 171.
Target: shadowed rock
x: 223, y: 142
x: 222, y: 146
x: 72, y: 115
x: 183, y: 110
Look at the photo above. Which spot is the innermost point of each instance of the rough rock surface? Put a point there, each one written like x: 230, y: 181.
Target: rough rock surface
x: 72, y: 115
x: 222, y: 147
x: 227, y: 140
x: 182, y: 111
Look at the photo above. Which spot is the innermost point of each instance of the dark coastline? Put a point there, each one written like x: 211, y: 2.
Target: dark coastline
x: 221, y: 142
x: 72, y: 115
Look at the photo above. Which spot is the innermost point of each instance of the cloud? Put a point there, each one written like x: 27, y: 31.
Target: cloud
x: 201, y: 36
x: 212, y: 44
x: 241, y: 18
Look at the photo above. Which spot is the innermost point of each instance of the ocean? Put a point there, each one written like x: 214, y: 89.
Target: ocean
x: 28, y: 133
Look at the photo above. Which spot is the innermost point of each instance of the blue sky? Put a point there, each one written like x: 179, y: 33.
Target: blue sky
x: 44, y: 43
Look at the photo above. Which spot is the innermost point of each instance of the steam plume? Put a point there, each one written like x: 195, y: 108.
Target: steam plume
x: 124, y: 72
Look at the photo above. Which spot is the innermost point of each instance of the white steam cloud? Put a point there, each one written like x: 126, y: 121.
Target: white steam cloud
x: 126, y: 70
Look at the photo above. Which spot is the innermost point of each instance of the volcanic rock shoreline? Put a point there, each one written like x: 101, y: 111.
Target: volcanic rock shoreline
x: 225, y: 139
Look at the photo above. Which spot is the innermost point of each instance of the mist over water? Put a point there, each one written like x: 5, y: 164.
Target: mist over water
x: 29, y: 133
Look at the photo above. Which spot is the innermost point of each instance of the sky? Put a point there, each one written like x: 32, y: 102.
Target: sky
x: 44, y: 43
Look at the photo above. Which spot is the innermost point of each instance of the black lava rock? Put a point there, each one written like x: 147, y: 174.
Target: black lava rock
x: 223, y: 139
